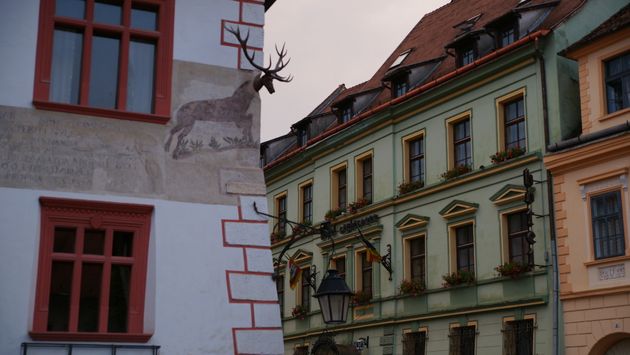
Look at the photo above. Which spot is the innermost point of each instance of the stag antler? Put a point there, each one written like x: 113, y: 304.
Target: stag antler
x: 269, y: 75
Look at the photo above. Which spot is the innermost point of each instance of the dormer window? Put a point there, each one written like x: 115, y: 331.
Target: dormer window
x: 400, y: 86
x: 466, y: 54
x: 346, y: 112
x: 302, y: 137
x: 504, y: 29
x: 506, y: 36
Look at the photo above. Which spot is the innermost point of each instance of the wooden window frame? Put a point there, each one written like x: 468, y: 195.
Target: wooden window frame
x: 300, y: 295
x: 470, y: 45
x: 282, y: 227
x: 335, y: 262
x: 280, y: 292
x: 302, y: 202
x: 399, y: 81
x: 359, y: 256
x: 407, y: 158
x: 83, y: 214
x: 531, y: 317
x: 452, y: 241
x: 360, y: 178
x: 302, y: 136
x: 163, y: 37
x: 450, y: 132
x: 619, y: 190
x: 511, y: 26
x: 407, y: 332
x: 334, y: 184
x: 346, y: 112
x: 301, y: 349
x: 505, y: 238
x: 606, y: 79
x: 468, y: 324
x: 407, y: 271
x: 500, y: 113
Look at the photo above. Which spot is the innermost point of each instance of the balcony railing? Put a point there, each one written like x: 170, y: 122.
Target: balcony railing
x: 78, y: 349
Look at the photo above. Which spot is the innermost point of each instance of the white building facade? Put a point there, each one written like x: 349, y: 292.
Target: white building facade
x: 129, y: 135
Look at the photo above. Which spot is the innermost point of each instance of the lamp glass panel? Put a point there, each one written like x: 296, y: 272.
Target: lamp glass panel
x: 324, y: 305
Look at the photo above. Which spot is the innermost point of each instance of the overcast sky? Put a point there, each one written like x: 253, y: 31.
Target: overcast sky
x: 330, y: 42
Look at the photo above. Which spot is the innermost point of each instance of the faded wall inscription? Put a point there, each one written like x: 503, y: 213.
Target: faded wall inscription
x: 70, y: 153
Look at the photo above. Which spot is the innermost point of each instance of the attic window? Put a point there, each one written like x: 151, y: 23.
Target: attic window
x: 506, y: 35
x: 466, y: 54
x: 467, y: 25
x: 400, y: 85
x: 302, y: 137
x: 400, y: 58
x: 346, y: 112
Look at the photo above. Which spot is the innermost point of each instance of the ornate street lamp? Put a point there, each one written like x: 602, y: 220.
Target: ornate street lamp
x: 333, y: 294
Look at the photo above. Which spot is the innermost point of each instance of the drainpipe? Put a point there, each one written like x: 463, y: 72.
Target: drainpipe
x: 554, y: 263
x: 543, y: 80
x: 555, y: 307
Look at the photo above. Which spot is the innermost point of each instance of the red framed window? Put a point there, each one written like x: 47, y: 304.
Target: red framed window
x: 92, y: 271
x: 110, y: 58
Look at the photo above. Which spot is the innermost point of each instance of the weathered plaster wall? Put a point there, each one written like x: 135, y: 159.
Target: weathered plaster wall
x: 189, y: 307
x: 67, y: 152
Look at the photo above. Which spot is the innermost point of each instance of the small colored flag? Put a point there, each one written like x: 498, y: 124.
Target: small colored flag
x: 372, y: 253
x: 295, y: 273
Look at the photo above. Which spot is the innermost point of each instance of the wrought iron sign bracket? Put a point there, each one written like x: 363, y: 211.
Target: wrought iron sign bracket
x: 312, y: 278
x: 325, y: 230
x: 386, y: 261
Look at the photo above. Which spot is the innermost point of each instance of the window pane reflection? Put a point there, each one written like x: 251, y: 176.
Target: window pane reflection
x: 91, y: 276
x: 107, y: 13
x: 59, y: 297
x: 144, y: 19
x: 119, y: 298
x: 104, y: 72
x: 141, y: 70
x: 70, y: 8
x: 65, y: 77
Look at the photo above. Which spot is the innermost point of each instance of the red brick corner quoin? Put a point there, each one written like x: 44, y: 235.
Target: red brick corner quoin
x: 247, y: 286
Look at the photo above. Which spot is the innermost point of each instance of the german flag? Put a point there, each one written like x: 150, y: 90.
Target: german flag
x: 295, y: 273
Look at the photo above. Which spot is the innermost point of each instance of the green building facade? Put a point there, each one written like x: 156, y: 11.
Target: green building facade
x: 420, y: 180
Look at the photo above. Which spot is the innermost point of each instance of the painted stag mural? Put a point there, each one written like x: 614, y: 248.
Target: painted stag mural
x: 228, y: 109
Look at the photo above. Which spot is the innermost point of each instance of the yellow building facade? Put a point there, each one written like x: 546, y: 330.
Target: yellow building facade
x: 591, y: 197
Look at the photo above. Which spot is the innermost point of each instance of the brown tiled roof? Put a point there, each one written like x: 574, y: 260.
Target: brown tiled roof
x: 435, y: 30
x: 430, y: 36
x: 616, y: 22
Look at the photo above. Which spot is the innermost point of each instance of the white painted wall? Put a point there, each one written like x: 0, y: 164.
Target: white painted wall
x: 198, y: 30
x: 197, y: 38
x: 18, y: 39
x: 187, y: 304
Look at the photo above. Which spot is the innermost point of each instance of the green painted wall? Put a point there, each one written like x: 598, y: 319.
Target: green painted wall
x: 491, y: 298
x: 489, y: 291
